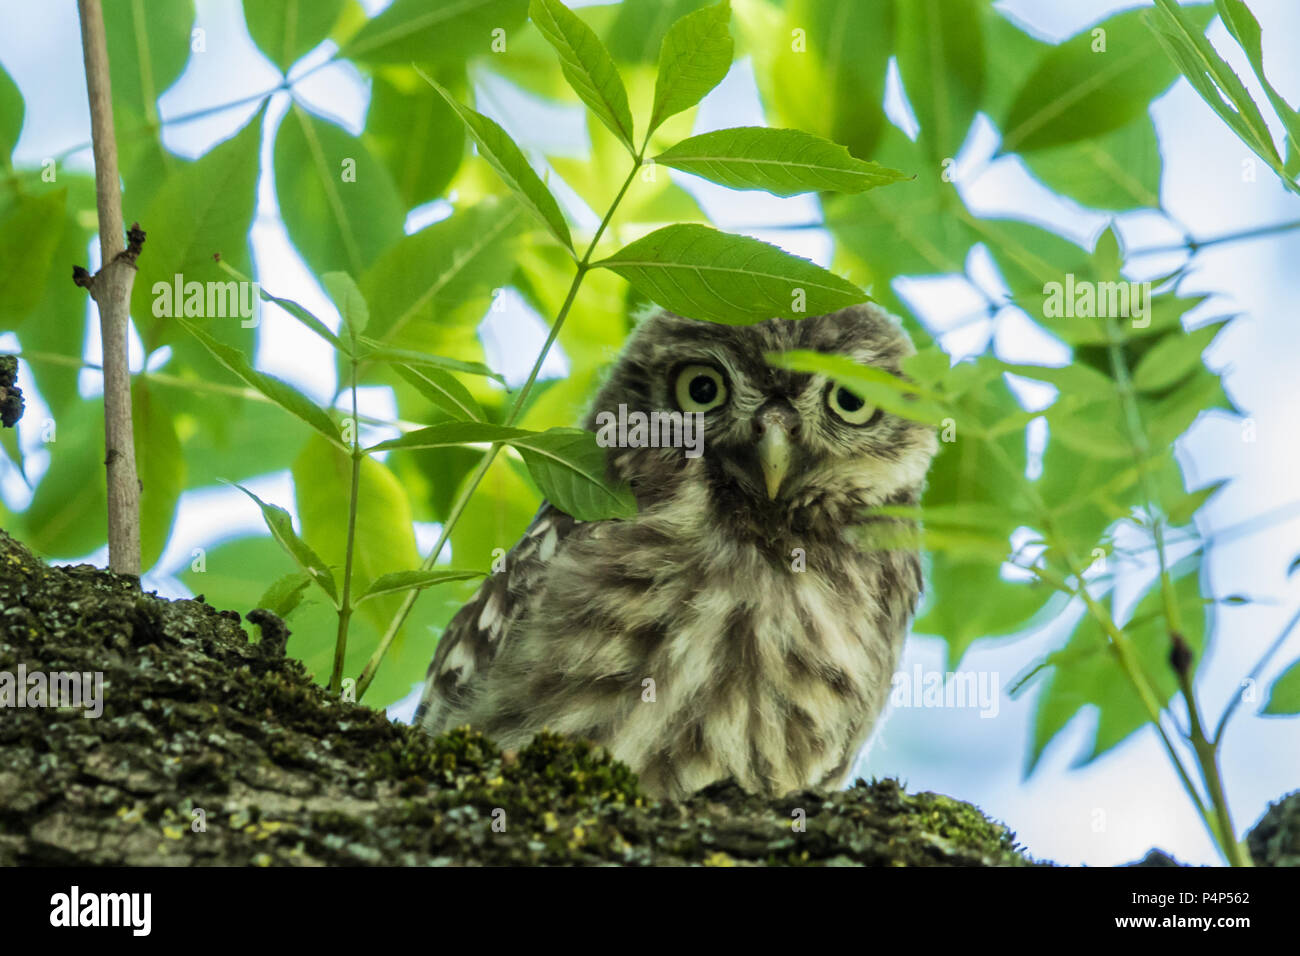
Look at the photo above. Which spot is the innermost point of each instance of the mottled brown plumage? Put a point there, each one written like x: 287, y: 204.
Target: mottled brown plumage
x: 746, y: 622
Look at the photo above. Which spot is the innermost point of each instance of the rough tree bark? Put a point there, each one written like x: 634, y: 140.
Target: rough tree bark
x: 211, y: 749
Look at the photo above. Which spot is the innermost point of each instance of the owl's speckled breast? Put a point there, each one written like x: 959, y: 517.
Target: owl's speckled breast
x: 774, y: 661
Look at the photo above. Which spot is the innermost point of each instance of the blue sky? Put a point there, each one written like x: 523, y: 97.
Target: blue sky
x: 1108, y: 812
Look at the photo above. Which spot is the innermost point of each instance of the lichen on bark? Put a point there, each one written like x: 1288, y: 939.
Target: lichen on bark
x: 213, y: 750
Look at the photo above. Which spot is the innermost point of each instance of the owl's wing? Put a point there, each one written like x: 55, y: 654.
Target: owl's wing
x: 473, y: 637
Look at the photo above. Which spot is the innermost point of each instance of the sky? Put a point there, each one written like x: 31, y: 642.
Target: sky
x: 1114, y: 809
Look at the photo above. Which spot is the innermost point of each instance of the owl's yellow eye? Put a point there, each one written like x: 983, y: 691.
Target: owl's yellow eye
x: 848, y: 405
x: 699, y: 388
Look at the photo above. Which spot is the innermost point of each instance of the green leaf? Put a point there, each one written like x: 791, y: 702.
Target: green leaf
x: 1034, y: 263
x: 13, y: 452
x: 449, y: 434
x: 281, y: 527
x: 284, y: 595
x: 233, y: 573
x: 377, y: 351
x: 203, y: 209
x: 432, y: 479
x: 1079, y: 90
x: 1010, y: 53
x: 968, y: 599
x: 570, y: 468
x: 1087, y: 672
x: 1181, y: 34
x: 66, y: 516
x: 282, y: 393
x: 308, y: 319
x: 1092, y: 423
x: 1243, y: 26
x: 29, y: 233
x: 419, y: 138
x: 701, y: 273
x: 695, y: 56
x: 247, y: 439
x: 917, y: 227
x: 877, y: 386
x: 587, y: 66
x: 443, y: 389
x: 63, y: 306
x: 501, y: 153
x: 1186, y: 505
x: 286, y: 29
x: 398, y: 582
x: 1174, y: 356
x: 566, y: 463
x: 640, y: 25
x: 820, y: 76
x: 11, y: 117
x: 161, y: 468
x: 1284, y: 695
x: 650, y: 200
x: 338, y: 201
x: 434, y: 33
x: 785, y: 162
x: 423, y: 277
x: 1174, y: 411
x: 496, y: 517
x: 148, y: 44
x: 928, y: 367
x: 1118, y: 170
x: 941, y: 60
x: 385, y: 538
x: 976, y: 471
x: 597, y: 325
x: 342, y: 288
x: 148, y: 48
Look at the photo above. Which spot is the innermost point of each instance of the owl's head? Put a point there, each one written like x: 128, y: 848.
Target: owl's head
x: 775, y: 443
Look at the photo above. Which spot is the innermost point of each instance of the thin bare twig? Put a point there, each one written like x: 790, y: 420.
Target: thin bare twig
x: 111, y: 290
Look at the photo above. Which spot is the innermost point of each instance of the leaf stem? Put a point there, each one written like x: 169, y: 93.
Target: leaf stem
x: 1207, y: 756
x: 516, y: 410
x: 1141, y: 453
x: 1120, y: 643
x: 345, y: 609
x: 1206, y: 751
x: 1254, y: 675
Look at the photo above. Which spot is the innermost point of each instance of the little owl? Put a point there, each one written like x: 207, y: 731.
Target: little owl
x: 746, y: 622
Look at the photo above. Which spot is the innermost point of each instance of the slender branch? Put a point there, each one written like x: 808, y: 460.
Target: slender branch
x: 284, y: 86
x: 1206, y: 751
x: 1141, y: 452
x: 584, y: 266
x: 1194, y: 245
x: 1207, y: 755
x: 203, y: 385
x: 345, y: 609
x: 111, y: 290
x: 1120, y: 643
x: 1254, y: 676
x: 1190, y: 244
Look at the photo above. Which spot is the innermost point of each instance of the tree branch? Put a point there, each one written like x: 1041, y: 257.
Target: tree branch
x: 111, y: 290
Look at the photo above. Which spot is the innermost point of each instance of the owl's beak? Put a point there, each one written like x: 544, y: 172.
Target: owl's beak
x: 775, y: 452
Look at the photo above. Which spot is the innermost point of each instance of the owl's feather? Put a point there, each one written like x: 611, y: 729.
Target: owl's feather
x: 473, y: 636
x: 719, y: 633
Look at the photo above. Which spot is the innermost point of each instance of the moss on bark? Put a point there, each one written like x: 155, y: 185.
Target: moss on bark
x: 212, y: 750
